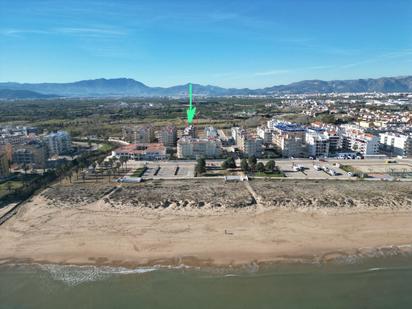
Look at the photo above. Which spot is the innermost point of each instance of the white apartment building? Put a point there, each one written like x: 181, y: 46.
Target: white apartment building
x: 290, y: 140
x: 237, y: 134
x: 317, y: 142
x: 355, y: 139
x: 265, y: 134
x: 192, y: 148
x: 396, y: 144
x: 190, y: 131
x: 58, y: 143
x: 211, y: 132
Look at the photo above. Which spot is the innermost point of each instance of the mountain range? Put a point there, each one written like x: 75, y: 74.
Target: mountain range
x: 126, y: 87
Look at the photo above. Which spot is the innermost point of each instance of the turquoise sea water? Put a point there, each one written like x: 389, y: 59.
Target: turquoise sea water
x: 374, y: 283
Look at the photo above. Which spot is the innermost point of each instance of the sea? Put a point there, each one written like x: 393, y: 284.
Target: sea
x: 367, y: 283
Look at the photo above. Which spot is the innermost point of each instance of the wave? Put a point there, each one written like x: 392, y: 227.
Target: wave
x: 74, y: 275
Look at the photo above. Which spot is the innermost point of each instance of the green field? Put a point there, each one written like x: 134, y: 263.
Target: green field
x: 9, y: 186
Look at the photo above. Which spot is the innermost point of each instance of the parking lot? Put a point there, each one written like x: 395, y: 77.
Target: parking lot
x: 308, y: 170
x: 165, y: 169
x: 375, y: 168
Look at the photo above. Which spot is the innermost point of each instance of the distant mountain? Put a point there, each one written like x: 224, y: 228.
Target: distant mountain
x: 8, y: 94
x: 129, y: 87
x: 384, y: 84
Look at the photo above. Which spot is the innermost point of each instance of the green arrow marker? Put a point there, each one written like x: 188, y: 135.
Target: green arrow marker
x: 191, y: 111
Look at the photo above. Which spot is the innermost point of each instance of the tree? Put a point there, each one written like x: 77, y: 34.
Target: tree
x: 229, y: 163
x: 260, y: 167
x: 200, y: 166
x: 270, y: 166
x: 76, y: 170
x: 244, y: 165
x: 25, y: 168
x: 252, y: 161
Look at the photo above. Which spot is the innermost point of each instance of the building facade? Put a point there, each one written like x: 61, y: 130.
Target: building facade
x: 193, y: 148
x: 251, y: 146
x: 190, y: 131
x: 139, y: 134
x: 317, y: 142
x: 396, y: 144
x: 153, y: 151
x: 265, y: 134
x: 290, y: 140
x: 168, y: 136
x: 58, y: 143
x: 33, y: 153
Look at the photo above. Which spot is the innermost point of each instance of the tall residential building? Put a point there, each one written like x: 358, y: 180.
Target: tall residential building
x: 4, y: 165
x: 168, y: 136
x: 355, y: 139
x: 139, y: 134
x: 317, y: 142
x: 251, y: 146
x: 237, y: 134
x: 192, y: 148
x: 396, y: 144
x: 58, y: 143
x: 265, y: 134
x: 334, y: 141
x: 290, y: 140
x: 31, y: 153
x: 211, y: 132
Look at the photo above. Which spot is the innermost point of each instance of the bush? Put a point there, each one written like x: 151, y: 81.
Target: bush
x: 200, y: 166
x: 260, y: 167
x: 229, y: 163
x: 244, y: 165
x: 270, y: 166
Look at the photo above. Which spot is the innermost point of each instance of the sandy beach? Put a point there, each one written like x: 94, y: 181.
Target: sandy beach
x: 169, y: 223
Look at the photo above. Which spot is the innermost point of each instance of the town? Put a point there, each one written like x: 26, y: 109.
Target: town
x: 341, y: 136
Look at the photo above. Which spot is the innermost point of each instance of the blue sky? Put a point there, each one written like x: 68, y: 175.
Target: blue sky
x: 226, y: 43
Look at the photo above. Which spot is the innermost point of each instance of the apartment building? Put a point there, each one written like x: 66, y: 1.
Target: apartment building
x: 32, y: 153
x: 290, y: 140
x: 192, y: 148
x: 168, y: 136
x: 238, y: 134
x: 317, y: 142
x: 396, y: 144
x: 335, y: 141
x: 139, y: 134
x: 251, y: 146
x: 355, y: 139
x: 211, y: 132
x: 190, y: 131
x: 265, y: 134
x: 58, y: 143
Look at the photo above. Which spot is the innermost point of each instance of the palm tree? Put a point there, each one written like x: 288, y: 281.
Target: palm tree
x: 76, y: 170
x: 118, y: 167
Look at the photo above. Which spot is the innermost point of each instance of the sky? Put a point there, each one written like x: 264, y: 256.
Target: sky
x: 254, y: 43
